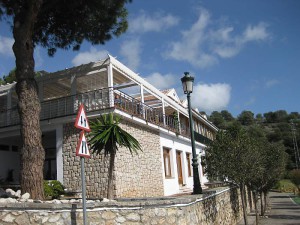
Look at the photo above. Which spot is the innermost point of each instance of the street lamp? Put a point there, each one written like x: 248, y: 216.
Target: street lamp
x: 187, y: 84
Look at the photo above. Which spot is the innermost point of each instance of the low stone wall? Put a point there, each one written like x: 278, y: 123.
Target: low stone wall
x: 221, y: 206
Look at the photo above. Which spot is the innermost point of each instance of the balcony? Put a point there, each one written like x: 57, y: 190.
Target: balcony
x: 94, y: 101
x: 98, y: 100
x: 202, y: 139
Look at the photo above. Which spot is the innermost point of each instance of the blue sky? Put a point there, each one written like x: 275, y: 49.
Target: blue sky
x: 245, y: 55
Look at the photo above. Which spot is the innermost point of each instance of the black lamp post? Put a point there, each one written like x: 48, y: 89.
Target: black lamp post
x: 187, y: 84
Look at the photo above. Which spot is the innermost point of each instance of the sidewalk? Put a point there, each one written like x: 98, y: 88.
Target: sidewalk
x: 283, y: 211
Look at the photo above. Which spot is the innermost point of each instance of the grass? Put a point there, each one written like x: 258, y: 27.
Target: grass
x: 296, y: 200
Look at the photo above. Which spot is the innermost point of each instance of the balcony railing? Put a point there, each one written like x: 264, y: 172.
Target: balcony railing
x: 202, y: 139
x: 97, y: 100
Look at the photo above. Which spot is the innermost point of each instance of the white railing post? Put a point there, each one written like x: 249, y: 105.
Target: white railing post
x: 163, y: 110
x: 142, y: 100
x: 110, y: 82
x: 8, y: 107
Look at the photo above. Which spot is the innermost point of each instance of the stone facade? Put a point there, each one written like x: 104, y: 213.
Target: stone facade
x: 223, y: 207
x: 140, y: 175
x: 96, y: 167
x: 136, y: 175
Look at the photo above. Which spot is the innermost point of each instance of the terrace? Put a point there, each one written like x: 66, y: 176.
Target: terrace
x: 98, y: 100
x: 106, y: 84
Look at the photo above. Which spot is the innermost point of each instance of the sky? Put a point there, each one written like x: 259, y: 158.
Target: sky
x: 244, y: 55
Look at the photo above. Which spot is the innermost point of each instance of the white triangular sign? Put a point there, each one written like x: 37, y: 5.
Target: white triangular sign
x: 81, y: 120
x: 82, y: 147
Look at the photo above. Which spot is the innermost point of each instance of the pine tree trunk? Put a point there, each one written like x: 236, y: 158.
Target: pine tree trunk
x: 32, y: 152
x: 110, y: 184
x: 242, y: 189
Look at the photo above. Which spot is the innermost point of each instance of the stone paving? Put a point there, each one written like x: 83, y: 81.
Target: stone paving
x: 283, y: 210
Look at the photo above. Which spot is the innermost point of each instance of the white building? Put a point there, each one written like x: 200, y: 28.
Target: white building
x: 158, y: 119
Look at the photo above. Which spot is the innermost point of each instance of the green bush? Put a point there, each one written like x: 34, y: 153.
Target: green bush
x: 285, y: 186
x: 53, y: 189
x: 295, y: 178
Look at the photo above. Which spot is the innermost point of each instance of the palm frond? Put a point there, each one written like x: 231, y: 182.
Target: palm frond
x: 107, y: 135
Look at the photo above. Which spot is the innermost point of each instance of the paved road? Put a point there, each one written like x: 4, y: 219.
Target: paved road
x: 283, y: 211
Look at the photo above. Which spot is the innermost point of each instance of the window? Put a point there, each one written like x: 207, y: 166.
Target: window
x: 167, y: 162
x: 14, y: 148
x: 188, y: 163
x: 50, y: 170
x: 4, y: 147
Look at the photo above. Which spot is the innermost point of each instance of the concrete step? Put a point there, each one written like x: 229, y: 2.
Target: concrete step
x: 184, y: 189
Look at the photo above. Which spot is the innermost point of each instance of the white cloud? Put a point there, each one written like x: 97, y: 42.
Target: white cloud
x: 271, y: 83
x: 145, y: 23
x: 162, y: 81
x: 189, y: 48
x: 211, y: 97
x: 90, y: 56
x: 6, y: 44
x: 203, y: 45
x: 226, y: 45
x: 255, y: 33
x: 131, y: 50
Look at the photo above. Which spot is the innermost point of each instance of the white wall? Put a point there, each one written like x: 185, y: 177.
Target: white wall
x: 52, y: 138
x: 174, y: 143
x: 59, y: 157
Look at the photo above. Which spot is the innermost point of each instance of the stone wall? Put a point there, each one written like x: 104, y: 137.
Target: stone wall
x: 135, y: 175
x: 222, y: 207
x: 96, y: 167
x: 140, y: 174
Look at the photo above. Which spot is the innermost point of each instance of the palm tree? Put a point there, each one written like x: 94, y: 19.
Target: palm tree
x: 107, y: 135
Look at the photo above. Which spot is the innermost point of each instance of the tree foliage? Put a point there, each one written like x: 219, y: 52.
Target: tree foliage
x: 107, y: 136
x: 246, y: 118
x: 227, y: 115
x: 10, y: 78
x: 221, y: 119
x: 271, y: 167
x: 231, y: 156
x: 217, y: 119
x: 243, y: 155
x: 66, y: 24
x: 276, y: 127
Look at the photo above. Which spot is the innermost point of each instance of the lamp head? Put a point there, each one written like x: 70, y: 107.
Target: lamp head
x: 187, y: 83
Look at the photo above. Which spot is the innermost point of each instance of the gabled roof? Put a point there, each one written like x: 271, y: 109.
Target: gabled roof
x: 172, y: 94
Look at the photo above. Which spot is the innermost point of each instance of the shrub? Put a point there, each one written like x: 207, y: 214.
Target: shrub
x: 53, y: 189
x: 285, y: 186
x: 295, y: 178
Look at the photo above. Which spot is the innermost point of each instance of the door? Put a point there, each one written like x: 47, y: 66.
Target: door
x: 179, y: 167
